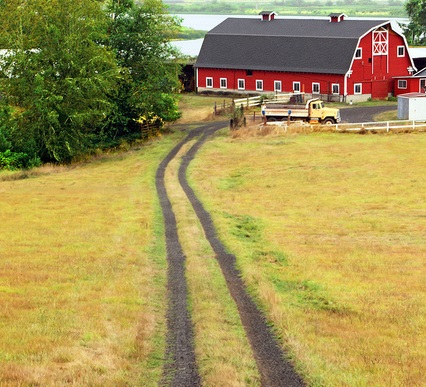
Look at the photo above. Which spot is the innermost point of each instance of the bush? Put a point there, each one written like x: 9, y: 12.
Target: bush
x: 17, y: 160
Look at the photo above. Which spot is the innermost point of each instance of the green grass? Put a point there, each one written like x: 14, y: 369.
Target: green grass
x: 329, y: 233
x: 82, y: 272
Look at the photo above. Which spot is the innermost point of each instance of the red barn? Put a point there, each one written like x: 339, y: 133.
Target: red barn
x: 411, y: 84
x: 335, y: 58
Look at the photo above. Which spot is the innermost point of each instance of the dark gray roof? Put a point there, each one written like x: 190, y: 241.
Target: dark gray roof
x: 421, y: 73
x: 294, y: 45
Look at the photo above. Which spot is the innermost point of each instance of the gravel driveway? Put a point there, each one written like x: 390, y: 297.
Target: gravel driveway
x: 363, y: 114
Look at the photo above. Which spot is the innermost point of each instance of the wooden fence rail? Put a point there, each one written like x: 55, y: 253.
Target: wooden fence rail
x: 226, y: 107
x: 149, y: 130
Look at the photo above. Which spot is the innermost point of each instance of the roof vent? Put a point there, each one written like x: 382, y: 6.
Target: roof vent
x: 267, y: 15
x: 337, y: 17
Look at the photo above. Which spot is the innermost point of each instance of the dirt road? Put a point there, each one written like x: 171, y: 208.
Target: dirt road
x: 181, y: 367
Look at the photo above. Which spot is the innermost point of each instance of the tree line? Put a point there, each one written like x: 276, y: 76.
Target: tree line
x: 76, y: 75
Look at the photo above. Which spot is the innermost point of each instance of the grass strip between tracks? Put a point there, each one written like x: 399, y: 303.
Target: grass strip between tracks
x: 223, y: 353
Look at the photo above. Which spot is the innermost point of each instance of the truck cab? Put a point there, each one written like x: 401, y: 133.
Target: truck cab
x: 324, y: 115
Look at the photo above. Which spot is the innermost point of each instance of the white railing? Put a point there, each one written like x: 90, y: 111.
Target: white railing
x: 386, y: 126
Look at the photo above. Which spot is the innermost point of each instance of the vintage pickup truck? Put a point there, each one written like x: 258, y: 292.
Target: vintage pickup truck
x: 312, y: 111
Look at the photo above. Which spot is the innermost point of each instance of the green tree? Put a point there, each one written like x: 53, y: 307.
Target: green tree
x: 56, y: 75
x: 140, y: 35
x: 416, y: 29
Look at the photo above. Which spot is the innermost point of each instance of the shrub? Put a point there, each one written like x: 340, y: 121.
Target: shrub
x: 17, y: 160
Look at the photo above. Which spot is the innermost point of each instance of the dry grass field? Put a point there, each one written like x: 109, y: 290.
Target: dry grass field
x: 330, y: 234
x: 82, y: 273
x: 329, y: 231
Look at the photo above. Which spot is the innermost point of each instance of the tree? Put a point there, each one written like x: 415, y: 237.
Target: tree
x: 416, y: 29
x: 140, y: 35
x: 56, y: 75
x: 78, y: 72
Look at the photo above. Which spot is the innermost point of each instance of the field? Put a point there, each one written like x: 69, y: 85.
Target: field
x: 82, y: 272
x: 377, y: 8
x: 330, y: 233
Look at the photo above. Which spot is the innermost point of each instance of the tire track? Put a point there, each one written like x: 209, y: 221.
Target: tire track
x: 274, y: 369
x: 180, y: 368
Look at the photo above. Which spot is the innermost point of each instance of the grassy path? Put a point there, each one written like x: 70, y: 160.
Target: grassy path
x: 273, y: 369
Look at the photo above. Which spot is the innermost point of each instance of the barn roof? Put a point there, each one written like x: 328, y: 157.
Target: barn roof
x: 421, y: 73
x: 302, y: 45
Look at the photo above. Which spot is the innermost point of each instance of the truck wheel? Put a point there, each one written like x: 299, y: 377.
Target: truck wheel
x: 328, y: 121
x: 272, y: 119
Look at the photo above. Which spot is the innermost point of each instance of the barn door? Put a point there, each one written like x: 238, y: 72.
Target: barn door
x: 379, y: 89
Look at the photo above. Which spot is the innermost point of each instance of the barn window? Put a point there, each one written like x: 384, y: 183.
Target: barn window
x: 259, y: 85
x: 241, y: 84
x: 357, y: 88
x: 209, y: 82
x: 358, y: 53
x: 249, y: 73
x: 223, y: 83
x: 335, y: 88
x: 401, y: 51
x: 422, y: 85
x: 315, y: 88
x: 277, y: 86
x: 402, y: 84
x: 296, y: 87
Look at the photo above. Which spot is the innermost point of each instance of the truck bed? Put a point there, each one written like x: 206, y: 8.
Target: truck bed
x: 281, y: 110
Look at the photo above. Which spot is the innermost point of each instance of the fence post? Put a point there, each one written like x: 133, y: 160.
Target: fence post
x: 387, y: 126
x: 414, y: 124
x: 215, y: 109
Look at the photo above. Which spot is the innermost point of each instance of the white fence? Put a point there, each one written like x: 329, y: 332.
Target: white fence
x: 256, y: 101
x: 385, y: 126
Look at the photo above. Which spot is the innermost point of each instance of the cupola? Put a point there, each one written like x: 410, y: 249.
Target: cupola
x: 337, y: 17
x: 267, y: 15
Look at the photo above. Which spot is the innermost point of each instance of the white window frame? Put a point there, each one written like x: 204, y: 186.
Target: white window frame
x: 358, y: 85
x: 402, y: 83
x: 209, y: 82
x: 316, y: 84
x: 259, y: 82
x: 279, y: 88
x: 358, y: 50
x: 223, y: 83
x: 296, y: 87
x: 243, y: 82
x: 335, y: 86
x: 403, y: 51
